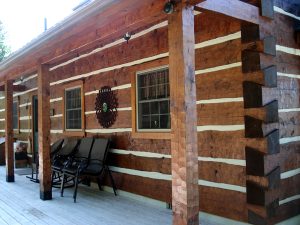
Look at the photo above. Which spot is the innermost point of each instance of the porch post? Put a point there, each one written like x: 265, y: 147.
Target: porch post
x: 185, y: 192
x: 44, y: 132
x: 9, y: 133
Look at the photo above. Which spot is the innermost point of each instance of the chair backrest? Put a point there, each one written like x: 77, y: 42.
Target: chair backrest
x: 100, y: 149
x: 98, y: 156
x: 69, y: 148
x: 84, y: 148
x: 56, y: 146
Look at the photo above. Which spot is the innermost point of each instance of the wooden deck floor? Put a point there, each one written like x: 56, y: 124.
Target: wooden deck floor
x: 20, y: 204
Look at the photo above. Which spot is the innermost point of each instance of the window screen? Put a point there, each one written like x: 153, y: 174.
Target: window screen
x: 153, y: 100
x: 73, y: 109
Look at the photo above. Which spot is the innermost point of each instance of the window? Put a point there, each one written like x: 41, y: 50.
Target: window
x: 153, y: 100
x: 73, y: 109
x: 15, y: 116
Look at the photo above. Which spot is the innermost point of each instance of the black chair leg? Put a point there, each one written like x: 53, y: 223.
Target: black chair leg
x: 76, y: 186
x: 112, y: 181
x: 62, y: 185
x: 99, y: 183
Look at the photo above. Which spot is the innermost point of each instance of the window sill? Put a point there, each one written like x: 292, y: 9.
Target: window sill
x: 151, y: 135
x: 74, y: 133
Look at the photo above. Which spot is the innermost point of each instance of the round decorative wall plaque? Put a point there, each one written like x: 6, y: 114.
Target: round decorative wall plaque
x: 106, y: 107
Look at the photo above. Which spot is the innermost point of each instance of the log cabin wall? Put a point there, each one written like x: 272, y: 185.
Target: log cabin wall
x: 221, y: 129
x: 270, y: 62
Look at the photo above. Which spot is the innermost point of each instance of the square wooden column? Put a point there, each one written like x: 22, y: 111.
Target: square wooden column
x: 9, y: 133
x: 44, y: 132
x: 185, y: 192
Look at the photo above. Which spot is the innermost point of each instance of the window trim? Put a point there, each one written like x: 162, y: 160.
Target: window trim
x: 16, y: 130
x: 74, y: 132
x: 145, y: 133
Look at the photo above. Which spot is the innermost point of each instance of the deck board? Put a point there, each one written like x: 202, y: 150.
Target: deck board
x: 20, y: 204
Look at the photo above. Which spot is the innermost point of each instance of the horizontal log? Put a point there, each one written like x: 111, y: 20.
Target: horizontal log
x: 267, y: 46
x: 16, y: 88
x: 222, y: 144
x: 267, y: 114
x: 220, y: 114
x: 259, y: 196
x: 266, y: 77
x: 256, y: 95
x: 256, y: 128
x: 254, y: 61
x: 287, y: 211
x: 259, y: 164
x: 220, y: 84
x: 255, y: 214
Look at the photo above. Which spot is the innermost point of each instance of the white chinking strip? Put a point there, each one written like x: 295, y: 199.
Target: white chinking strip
x: 289, y: 140
x: 292, y: 51
x: 56, y: 116
x: 289, y: 110
x: 281, y: 11
x: 218, y: 68
x: 290, y: 199
x: 108, y: 131
x: 26, y: 79
x: 56, y: 131
x: 25, y: 118
x: 220, y: 100
x: 90, y: 112
x: 296, y: 76
x: 103, y: 70
x: 120, y: 41
x: 168, y: 177
x: 124, y: 86
x: 2, y: 131
x: 1, y: 120
x: 218, y: 40
x: 56, y: 99
x: 2, y: 97
x: 2, y: 110
x: 289, y: 174
x: 25, y: 105
x: 25, y: 130
x: 236, y: 162
x: 25, y: 92
x: 124, y: 109
x: 220, y: 128
x: 140, y: 154
x: 222, y: 186
x: 147, y: 174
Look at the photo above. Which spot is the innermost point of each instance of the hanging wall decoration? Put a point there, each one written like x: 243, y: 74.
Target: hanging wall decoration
x: 106, y: 107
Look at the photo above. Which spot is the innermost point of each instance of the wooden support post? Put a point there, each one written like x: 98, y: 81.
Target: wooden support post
x: 44, y: 132
x: 185, y: 191
x: 9, y: 133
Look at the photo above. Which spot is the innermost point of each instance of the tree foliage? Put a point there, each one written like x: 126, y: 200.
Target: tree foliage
x: 4, y: 49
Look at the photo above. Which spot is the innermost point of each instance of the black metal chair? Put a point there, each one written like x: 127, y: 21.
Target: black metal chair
x: 96, y: 166
x: 60, y: 158
x: 55, y: 147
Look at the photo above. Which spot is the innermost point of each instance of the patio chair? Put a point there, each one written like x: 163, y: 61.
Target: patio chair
x: 96, y: 166
x: 60, y: 158
x: 55, y: 147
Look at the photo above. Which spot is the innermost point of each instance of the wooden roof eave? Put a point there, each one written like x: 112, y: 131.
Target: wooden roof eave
x: 26, y: 59
x: 52, y: 33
